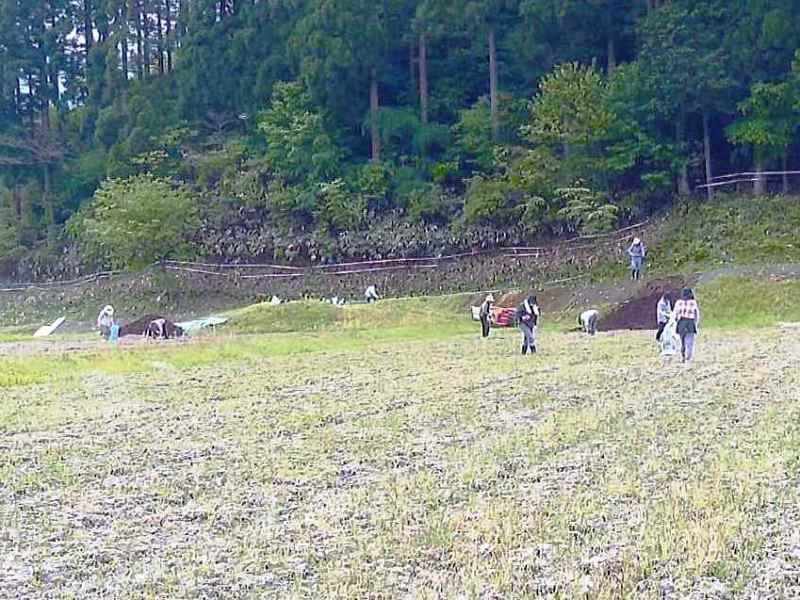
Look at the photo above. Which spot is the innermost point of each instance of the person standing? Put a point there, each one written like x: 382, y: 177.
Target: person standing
x: 528, y: 319
x: 637, y: 252
x: 588, y: 320
x: 485, y: 315
x: 687, y: 317
x: 663, y: 312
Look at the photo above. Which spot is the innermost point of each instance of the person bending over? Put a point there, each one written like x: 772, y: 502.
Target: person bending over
x: 588, y: 320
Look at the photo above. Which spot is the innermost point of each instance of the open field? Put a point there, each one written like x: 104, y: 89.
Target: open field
x: 403, y: 462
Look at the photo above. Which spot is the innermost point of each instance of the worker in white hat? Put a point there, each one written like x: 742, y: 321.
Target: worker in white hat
x: 637, y: 252
x: 105, y: 320
x: 485, y: 315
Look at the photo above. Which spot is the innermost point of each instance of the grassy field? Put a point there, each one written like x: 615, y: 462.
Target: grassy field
x: 386, y: 452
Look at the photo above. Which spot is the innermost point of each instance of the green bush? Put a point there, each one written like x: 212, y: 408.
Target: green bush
x: 133, y: 222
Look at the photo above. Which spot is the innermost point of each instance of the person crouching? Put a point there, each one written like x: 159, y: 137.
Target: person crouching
x: 588, y: 321
x: 105, y: 321
x: 528, y: 320
x: 485, y: 315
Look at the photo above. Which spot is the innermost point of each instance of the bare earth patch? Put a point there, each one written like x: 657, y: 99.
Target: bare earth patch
x: 428, y: 469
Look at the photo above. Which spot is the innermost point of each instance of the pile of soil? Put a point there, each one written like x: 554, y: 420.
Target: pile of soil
x: 139, y: 326
x: 640, y: 312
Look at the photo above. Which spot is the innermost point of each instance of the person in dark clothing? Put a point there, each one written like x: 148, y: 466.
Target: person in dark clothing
x: 663, y: 312
x: 485, y: 315
x: 528, y: 322
x: 687, y: 316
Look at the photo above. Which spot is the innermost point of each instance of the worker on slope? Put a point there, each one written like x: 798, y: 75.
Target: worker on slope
x: 485, y: 315
x: 105, y: 321
x: 528, y: 322
x: 588, y: 320
x: 637, y: 253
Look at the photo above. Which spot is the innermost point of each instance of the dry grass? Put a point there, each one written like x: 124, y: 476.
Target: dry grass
x: 420, y: 469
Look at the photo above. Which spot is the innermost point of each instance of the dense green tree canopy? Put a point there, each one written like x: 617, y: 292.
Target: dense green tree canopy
x: 306, y: 123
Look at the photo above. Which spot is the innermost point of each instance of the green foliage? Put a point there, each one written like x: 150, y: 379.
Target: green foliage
x: 473, y: 133
x: 257, y: 129
x: 339, y: 208
x: 489, y: 201
x: 133, y: 222
x: 570, y: 109
x: 430, y: 204
x: 298, y: 149
x: 586, y: 210
x: 771, y: 116
x: 729, y: 231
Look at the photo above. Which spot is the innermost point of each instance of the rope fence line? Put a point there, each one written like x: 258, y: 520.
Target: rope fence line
x: 228, y: 270
x: 745, y: 177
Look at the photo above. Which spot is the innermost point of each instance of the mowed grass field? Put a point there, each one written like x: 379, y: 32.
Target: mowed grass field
x: 405, y: 458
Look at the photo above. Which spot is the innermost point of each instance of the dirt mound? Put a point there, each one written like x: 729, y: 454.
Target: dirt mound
x: 139, y: 326
x: 640, y: 312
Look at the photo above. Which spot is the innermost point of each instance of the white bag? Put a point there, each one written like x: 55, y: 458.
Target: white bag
x: 670, y: 340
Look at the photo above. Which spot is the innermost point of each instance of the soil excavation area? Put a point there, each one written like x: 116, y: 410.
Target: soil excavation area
x: 436, y: 468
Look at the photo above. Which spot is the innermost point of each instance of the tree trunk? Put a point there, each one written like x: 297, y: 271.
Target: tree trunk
x: 160, y: 38
x: 374, y: 117
x: 16, y: 198
x: 683, y: 175
x: 785, y: 169
x: 139, y: 46
x: 146, y: 35
x: 412, y: 69
x: 47, y: 202
x: 168, y: 18
x: 612, y: 55
x: 122, y: 30
x: 18, y: 97
x: 759, y: 186
x: 423, y: 77
x: 88, y: 27
x: 180, y: 22
x: 493, y: 83
x: 707, y: 153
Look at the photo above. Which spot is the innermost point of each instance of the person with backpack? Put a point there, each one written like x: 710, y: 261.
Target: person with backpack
x: 687, y: 317
x: 637, y: 252
x: 528, y: 323
x: 485, y: 315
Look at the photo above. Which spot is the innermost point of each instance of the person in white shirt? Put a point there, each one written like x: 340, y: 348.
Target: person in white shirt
x: 371, y: 294
x: 105, y: 320
x: 588, y: 320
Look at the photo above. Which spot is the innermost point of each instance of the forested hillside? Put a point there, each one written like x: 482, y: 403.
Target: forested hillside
x: 321, y: 130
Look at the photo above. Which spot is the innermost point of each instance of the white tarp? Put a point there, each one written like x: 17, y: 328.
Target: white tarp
x: 49, y: 329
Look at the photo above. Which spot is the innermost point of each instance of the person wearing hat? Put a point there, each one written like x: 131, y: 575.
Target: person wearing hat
x: 687, y: 317
x: 588, y: 320
x: 637, y: 252
x: 528, y: 322
x: 485, y: 315
x: 105, y: 320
